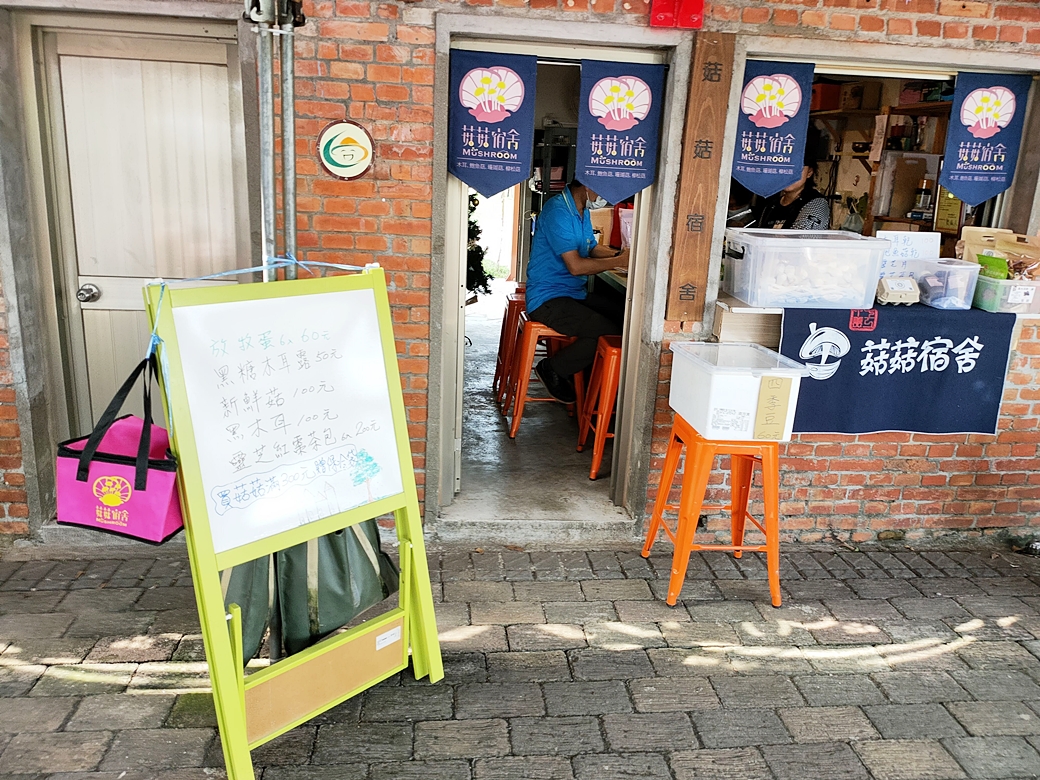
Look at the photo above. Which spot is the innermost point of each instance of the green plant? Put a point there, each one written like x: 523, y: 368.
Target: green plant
x: 477, y: 279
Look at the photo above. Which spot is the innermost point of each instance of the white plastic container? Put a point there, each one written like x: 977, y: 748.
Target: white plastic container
x: 823, y: 269
x: 718, y: 389
x: 946, y: 283
x: 1007, y: 295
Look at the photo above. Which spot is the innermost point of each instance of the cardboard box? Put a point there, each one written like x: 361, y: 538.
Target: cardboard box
x: 825, y: 97
x: 851, y: 96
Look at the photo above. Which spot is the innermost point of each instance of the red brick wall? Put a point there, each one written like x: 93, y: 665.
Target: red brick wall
x: 962, y: 23
x: 14, y: 509
x: 852, y: 487
x: 373, y: 61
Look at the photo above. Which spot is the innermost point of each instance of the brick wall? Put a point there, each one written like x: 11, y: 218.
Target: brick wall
x: 373, y: 61
x: 14, y: 509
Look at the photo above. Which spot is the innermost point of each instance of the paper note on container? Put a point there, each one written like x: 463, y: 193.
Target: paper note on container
x: 774, y: 400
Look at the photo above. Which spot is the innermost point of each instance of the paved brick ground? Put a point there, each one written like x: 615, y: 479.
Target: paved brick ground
x: 883, y: 663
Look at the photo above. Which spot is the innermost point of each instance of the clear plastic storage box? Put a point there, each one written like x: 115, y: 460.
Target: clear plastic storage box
x: 946, y: 283
x: 1007, y: 295
x: 824, y: 269
x: 735, y: 391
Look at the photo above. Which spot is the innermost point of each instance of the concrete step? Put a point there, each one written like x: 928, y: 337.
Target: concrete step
x: 561, y: 534
x: 53, y: 535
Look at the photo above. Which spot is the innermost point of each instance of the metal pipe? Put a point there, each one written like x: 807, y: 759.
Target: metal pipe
x: 289, y: 144
x: 265, y: 61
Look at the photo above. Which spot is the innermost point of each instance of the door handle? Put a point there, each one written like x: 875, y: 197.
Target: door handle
x: 88, y: 293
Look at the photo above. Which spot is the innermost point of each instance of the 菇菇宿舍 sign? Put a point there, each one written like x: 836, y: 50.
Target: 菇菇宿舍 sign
x: 491, y: 119
x: 619, y: 121
x: 345, y: 149
x: 892, y: 368
x: 772, y: 125
x: 985, y: 133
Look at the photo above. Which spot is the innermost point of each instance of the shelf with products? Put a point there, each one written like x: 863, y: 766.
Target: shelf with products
x: 904, y: 170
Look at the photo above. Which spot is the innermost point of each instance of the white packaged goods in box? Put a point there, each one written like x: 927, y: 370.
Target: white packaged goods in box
x: 733, y: 391
x: 1008, y: 295
x: 823, y: 269
x: 945, y: 283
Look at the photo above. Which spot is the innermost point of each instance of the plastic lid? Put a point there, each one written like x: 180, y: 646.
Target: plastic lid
x: 737, y: 356
x: 802, y: 235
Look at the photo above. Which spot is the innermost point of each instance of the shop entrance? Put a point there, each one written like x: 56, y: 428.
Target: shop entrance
x: 539, y: 477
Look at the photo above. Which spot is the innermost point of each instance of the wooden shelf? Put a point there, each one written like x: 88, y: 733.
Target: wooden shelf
x: 845, y: 112
x: 933, y: 108
x: 904, y: 220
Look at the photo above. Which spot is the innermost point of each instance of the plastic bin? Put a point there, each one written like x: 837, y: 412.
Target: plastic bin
x: 725, y: 390
x: 824, y: 269
x: 1007, y: 295
x: 946, y: 283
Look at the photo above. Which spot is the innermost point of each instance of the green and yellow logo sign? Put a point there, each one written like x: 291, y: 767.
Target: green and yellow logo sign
x: 345, y: 149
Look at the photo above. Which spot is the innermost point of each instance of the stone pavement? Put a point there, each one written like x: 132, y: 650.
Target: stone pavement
x: 883, y: 663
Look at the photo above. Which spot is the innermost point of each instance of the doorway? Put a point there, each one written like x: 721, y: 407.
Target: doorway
x: 539, y: 479
x: 144, y: 158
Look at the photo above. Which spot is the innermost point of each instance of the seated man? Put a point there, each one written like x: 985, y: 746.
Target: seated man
x: 563, y: 253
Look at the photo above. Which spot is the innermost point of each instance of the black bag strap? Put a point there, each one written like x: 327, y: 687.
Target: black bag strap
x: 109, y: 417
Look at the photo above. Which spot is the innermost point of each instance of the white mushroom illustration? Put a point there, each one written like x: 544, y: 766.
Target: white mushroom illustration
x: 824, y: 343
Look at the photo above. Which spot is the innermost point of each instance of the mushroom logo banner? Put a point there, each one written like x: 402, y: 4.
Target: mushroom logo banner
x: 986, y: 122
x: 772, y: 125
x: 619, y: 123
x: 491, y: 119
x: 898, y: 368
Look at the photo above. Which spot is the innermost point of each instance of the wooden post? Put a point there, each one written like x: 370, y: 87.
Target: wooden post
x: 703, y: 140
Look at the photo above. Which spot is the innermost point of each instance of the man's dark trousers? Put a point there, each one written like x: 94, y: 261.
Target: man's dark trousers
x: 587, y: 319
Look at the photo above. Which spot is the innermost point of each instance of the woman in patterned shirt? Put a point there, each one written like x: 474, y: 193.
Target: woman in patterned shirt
x: 798, y: 206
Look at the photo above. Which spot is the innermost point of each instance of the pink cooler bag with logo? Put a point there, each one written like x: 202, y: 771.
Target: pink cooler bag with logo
x: 122, y: 478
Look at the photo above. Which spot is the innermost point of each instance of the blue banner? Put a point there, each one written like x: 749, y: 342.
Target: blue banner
x: 491, y: 119
x: 619, y: 123
x: 898, y: 368
x: 989, y: 111
x: 772, y: 125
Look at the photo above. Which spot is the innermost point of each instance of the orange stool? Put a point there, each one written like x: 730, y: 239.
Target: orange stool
x: 531, y: 333
x: 599, y: 401
x: 700, y: 457
x: 507, y: 344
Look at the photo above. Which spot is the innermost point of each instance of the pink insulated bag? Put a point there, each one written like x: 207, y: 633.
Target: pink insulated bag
x: 122, y: 478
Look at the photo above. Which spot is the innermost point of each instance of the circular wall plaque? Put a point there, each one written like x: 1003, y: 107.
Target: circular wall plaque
x: 345, y: 149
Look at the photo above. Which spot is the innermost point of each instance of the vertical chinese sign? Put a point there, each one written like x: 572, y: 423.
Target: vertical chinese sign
x: 985, y: 132
x: 710, y: 79
x: 772, y: 125
x: 491, y: 119
x: 619, y: 122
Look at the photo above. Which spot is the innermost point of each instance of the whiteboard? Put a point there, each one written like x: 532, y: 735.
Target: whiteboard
x: 290, y: 408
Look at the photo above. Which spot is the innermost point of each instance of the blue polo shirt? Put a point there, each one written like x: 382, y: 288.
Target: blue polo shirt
x: 558, y: 229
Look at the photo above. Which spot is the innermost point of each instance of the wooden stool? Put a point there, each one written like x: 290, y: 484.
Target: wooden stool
x: 507, y: 344
x: 599, y: 400
x: 700, y: 457
x: 531, y: 333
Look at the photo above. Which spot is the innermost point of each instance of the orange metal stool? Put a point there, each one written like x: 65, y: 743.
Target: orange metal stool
x: 599, y: 400
x: 531, y: 333
x: 700, y: 457
x: 515, y: 303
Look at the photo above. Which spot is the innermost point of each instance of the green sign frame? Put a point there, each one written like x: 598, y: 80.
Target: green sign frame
x: 253, y: 709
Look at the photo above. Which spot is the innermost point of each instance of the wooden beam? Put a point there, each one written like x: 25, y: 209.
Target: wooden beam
x: 703, y: 140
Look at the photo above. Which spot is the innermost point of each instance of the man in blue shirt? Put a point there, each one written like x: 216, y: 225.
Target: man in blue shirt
x: 564, y: 253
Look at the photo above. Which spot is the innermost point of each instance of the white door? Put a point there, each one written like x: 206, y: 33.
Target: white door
x: 149, y: 182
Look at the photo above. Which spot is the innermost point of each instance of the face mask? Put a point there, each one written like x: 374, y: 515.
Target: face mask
x: 599, y: 203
